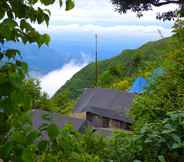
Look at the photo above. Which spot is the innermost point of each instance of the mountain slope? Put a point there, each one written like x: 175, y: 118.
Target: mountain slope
x: 124, y: 67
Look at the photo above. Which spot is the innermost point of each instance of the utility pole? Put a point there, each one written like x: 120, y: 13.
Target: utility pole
x: 96, y: 59
x: 160, y: 33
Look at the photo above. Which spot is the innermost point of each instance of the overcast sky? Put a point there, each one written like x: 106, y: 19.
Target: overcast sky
x: 99, y: 16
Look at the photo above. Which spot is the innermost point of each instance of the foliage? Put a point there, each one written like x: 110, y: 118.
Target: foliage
x: 178, y: 29
x: 39, y: 99
x: 33, y: 89
x: 163, y: 141
x: 160, y: 141
x: 64, y: 104
x: 122, y: 85
x: 166, y: 96
x: 158, y: 118
x: 16, y: 19
x: 26, y: 144
x: 139, y: 6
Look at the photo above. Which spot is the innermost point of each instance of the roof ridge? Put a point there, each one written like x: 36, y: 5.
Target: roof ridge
x: 90, y: 97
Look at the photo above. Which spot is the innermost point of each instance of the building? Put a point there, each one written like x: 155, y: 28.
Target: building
x: 105, y: 108
x: 40, y: 117
x: 102, y: 109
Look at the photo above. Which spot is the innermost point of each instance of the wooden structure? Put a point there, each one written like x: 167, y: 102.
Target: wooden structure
x: 105, y: 108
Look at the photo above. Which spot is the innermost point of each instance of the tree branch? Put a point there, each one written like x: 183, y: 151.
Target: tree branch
x: 165, y: 3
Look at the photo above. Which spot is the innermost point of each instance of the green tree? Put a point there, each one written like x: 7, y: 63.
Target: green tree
x: 167, y: 93
x: 158, y: 116
x: 64, y: 104
x: 39, y: 99
x: 16, y: 19
x: 122, y: 85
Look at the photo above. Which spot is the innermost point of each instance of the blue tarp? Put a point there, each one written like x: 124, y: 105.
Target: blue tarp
x: 139, y: 85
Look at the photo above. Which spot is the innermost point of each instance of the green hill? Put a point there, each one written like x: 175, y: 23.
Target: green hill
x: 117, y: 72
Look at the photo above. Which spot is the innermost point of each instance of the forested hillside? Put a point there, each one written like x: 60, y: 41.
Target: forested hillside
x: 117, y: 72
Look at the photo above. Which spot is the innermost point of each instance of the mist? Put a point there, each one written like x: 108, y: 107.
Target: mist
x: 54, y: 80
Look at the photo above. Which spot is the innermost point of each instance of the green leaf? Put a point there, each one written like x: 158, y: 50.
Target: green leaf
x: 47, y: 2
x: 28, y: 155
x: 25, y: 25
x: 69, y: 5
x: 7, y: 148
x: 46, y: 39
x: 2, y: 14
x: 3, y: 78
x: 10, y: 23
x: 161, y: 158
x: 43, y: 145
x: 33, y: 1
x: 46, y: 117
x: 43, y: 127
x: 23, y: 65
x: 10, y: 53
x: 32, y: 136
x: 53, y: 131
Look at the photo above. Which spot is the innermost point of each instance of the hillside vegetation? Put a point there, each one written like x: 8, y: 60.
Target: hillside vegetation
x: 117, y: 72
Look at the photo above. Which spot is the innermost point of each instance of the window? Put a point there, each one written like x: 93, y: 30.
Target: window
x: 105, y: 122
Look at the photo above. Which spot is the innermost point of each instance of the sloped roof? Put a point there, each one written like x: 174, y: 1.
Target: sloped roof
x: 39, y: 115
x: 109, y: 103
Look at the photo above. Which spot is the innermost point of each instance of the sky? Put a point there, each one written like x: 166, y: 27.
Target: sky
x: 100, y: 16
x: 115, y: 31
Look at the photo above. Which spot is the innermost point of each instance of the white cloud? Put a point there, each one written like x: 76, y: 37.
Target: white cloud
x: 98, y: 12
x: 57, y: 78
x: 117, y: 30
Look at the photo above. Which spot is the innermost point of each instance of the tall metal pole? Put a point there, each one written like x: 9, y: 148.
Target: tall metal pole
x: 96, y: 39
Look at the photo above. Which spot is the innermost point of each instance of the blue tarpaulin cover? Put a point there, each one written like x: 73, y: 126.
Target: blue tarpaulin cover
x: 139, y: 85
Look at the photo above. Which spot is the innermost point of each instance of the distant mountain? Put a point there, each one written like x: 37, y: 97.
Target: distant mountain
x: 129, y: 65
x: 40, y: 60
x: 77, y: 47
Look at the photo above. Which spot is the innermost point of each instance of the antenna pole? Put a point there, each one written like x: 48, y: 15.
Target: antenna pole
x: 96, y: 59
x: 160, y: 33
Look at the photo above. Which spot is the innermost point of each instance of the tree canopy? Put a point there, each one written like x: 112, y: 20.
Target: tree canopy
x: 138, y: 6
x: 16, y: 19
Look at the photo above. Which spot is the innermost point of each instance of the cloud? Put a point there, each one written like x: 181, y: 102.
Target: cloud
x: 119, y: 30
x: 94, y: 11
x: 102, y: 12
x: 54, y: 80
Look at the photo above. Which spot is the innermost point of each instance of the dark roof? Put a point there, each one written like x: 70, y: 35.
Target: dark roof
x: 109, y: 103
x: 39, y: 115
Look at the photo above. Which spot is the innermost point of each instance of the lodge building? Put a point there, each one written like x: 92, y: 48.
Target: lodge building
x: 99, y: 108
